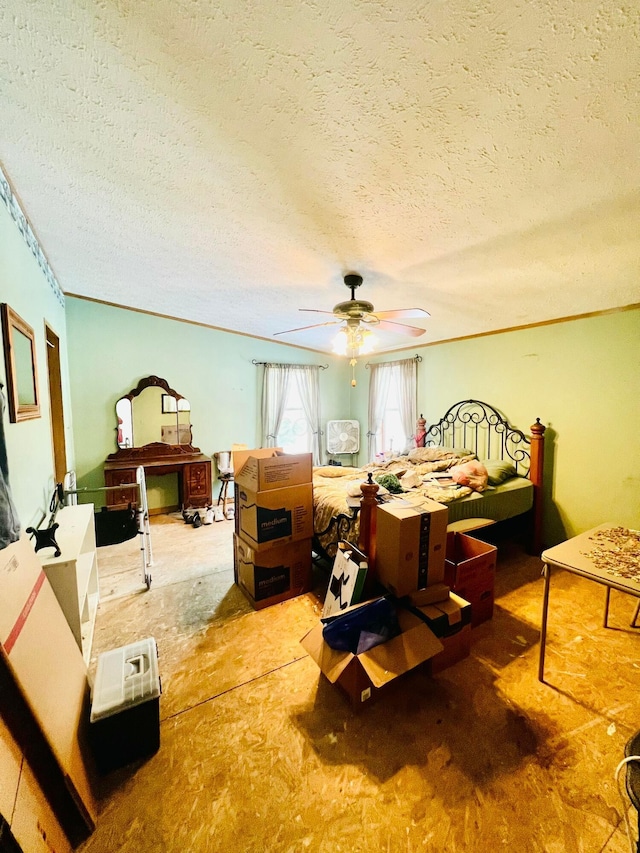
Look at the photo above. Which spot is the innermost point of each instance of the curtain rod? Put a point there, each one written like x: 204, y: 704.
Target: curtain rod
x: 415, y: 358
x: 280, y: 364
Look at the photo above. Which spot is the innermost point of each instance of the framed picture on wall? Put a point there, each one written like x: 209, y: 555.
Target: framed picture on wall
x: 21, y: 366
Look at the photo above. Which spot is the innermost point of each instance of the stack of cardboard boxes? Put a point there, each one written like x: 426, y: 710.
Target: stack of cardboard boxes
x: 435, y: 623
x: 410, y: 562
x: 273, y: 524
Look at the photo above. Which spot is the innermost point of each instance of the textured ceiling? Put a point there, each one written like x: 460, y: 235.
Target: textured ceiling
x: 227, y: 162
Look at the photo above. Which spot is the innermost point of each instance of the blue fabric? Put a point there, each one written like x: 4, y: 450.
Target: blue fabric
x: 362, y: 628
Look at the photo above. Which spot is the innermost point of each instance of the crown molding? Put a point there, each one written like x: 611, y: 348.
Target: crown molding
x: 17, y: 214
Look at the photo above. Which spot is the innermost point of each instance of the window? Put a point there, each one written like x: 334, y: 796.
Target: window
x: 392, y: 406
x: 295, y: 434
x: 392, y: 435
x: 291, y: 408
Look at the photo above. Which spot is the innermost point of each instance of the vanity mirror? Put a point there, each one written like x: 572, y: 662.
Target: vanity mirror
x: 153, y: 412
x: 154, y: 430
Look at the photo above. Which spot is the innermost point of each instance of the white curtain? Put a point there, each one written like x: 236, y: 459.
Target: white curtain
x: 307, y: 377
x: 403, y: 376
x: 406, y: 373
x: 277, y: 382
x: 379, y: 385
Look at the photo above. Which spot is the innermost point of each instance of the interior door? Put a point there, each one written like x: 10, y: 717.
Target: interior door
x: 55, y: 398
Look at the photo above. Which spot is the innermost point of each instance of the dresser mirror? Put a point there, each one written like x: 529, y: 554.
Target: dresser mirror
x: 154, y: 432
x: 153, y: 413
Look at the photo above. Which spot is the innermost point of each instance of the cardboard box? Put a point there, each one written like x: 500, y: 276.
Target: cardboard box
x: 430, y: 595
x: 468, y: 561
x: 275, y: 517
x: 268, y: 468
x: 270, y: 576
x: 362, y: 676
x: 449, y: 616
x: 456, y: 647
x: 481, y: 597
x: 470, y: 570
x: 48, y: 673
x: 411, y: 543
x: 10, y: 767
x: 34, y: 825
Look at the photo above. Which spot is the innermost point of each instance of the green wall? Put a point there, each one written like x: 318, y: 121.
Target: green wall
x: 111, y: 349
x: 582, y: 379
x: 25, y: 288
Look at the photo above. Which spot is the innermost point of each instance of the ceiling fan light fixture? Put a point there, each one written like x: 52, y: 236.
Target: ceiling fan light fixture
x: 368, y: 343
x: 353, y: 340
x: 339, y: 342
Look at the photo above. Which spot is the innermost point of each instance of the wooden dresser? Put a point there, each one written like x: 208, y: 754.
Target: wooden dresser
x: 193, y: 469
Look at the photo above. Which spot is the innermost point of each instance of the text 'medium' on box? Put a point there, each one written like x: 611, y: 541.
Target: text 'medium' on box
x: 411, y: 545
x: 269, y: 576
x: 275, y: 516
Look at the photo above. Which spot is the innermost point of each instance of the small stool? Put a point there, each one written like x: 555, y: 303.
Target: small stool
x: 223, y: 497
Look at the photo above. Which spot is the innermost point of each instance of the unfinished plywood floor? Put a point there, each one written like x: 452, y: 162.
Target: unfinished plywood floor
x: 259, y: 753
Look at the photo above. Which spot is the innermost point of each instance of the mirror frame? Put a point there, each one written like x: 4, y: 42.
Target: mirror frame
x: 12, y: 323
x: 161, y: 447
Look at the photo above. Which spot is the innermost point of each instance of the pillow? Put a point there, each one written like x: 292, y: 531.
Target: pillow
x: 499, y: 470
x: 435, y: 454
x: 471, y: 474
x: 334, y: 471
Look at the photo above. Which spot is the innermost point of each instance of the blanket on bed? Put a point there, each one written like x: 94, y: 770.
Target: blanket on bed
x: 417, y: 473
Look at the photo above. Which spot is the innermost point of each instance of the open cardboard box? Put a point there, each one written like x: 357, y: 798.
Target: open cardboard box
x: 266, y: 468
x: 362, y: 676
x: 468, y: 560
x: 470, y: 569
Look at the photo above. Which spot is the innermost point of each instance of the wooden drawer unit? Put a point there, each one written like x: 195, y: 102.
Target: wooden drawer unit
x: 117, y: 497
x: 196, y: 484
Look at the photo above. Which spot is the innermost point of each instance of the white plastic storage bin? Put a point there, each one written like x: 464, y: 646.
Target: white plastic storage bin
x: 125, y: 705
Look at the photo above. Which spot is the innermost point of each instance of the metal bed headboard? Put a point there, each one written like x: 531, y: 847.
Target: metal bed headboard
x: 483, y: 430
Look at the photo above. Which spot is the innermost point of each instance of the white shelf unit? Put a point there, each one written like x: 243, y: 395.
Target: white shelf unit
x: 74, y: 574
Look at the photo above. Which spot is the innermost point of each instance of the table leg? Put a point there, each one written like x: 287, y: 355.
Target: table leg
x: 605, y: 624
x: 546, y: 571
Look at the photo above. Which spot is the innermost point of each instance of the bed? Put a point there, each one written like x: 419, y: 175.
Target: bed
x: 470, y: 431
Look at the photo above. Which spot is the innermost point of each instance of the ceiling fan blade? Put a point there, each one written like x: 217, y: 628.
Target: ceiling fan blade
x: 402, y: 314
x: 316, y: 311
x: 304, y: 328
x: 401, y: 328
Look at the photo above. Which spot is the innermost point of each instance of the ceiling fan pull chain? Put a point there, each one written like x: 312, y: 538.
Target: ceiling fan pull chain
x: 353, y: 363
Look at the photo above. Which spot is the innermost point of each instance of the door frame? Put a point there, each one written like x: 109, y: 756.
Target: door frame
x: 56, y: 404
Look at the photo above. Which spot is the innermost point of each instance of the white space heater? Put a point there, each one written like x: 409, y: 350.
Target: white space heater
x: 343, y: 437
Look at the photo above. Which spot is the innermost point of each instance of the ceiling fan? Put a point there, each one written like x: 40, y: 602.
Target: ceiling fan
x: 355, y: 315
